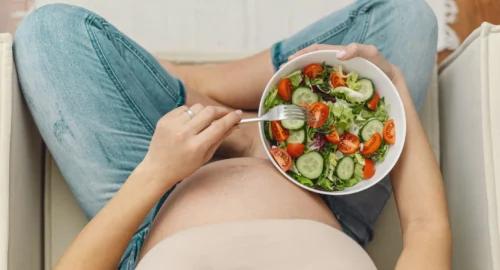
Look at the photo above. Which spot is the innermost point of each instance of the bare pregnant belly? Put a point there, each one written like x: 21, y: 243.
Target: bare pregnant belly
x: 235, y: 189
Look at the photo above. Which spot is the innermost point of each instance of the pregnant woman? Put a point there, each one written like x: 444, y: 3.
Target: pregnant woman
x: 126, y: 129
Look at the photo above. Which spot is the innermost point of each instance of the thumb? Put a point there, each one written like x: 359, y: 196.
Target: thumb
x: 315, y: 47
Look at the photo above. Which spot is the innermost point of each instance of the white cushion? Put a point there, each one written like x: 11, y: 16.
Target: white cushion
x: 469, y: 86
x: 63, y: 217
x: 20, y: 173
x: 6, y: 71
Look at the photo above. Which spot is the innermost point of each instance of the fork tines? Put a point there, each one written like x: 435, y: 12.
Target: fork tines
x: 295, y: 112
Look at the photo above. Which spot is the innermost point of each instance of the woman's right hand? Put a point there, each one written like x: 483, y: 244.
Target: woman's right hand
x: 182, y: 143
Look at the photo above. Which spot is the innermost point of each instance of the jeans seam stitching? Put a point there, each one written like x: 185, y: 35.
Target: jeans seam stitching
x: 151, y: 69
x: 364, y: 31
x: 322, y: 37
x: 104, y: 62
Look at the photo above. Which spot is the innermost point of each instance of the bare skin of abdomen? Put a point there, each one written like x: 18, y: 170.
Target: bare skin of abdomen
x: 235, y: 189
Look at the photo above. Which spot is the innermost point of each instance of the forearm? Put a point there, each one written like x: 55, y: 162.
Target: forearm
x: 245, y: 79
x: 416, y: 178
x: 419, y: 193
x: 103, y: 241
x: 428, y: 247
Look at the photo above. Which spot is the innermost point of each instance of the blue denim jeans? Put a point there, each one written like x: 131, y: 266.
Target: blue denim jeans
x: 96, y: 96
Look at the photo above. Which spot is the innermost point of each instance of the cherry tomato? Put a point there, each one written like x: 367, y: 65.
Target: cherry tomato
x: 372, y: 145
x: 295, y: 149
x: 372, y: 104
x: 319, y: 114
x: 336, y: 80
x: 389, y: 132
x: 333, y: 137
x: 369, y: 169
x: 285, y: 89
x: 282, y: 158
x: 313, y: 70
x: 279, y: 132
x: 349, y: 143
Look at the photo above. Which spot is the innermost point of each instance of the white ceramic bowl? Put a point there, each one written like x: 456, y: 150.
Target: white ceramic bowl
x: 384, y: 87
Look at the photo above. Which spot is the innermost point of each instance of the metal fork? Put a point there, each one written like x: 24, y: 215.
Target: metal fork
x: 281, y: 112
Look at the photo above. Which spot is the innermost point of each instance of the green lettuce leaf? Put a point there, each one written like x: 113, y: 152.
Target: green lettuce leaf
x: 338, y: 95
x: 310, y: 132
x: 323, y: 180
x: 281, y: 144
x: 359, y: 120
x: 301, y: 179
x: 325, y: 183
x: 295, y: 78
x: 345, y: 119
x: 338, y: 183
x: 366, y: 114
x: 318, y: 81
x: 356, y: 109
x: 339, y: 187
x: 307, y: 81
x: 332, y: 158
x: 347, y: 114
x: 339, y: 69
x: 294, y: 169
x: 353, y: 181
x: 381, y: 113
x: 381, y: 152
x: 337, y: 110
x: 272, y: 100
x: 359, y: 159
x: 325, y: 74
x: 358, y: 170
x: 352, y: 81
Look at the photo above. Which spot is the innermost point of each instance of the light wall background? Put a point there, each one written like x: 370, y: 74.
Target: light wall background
x: 189, y: 28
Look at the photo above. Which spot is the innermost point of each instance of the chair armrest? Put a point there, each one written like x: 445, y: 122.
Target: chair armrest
x: 24, y: 180
x: 469, y: 88
x: 5, y: 134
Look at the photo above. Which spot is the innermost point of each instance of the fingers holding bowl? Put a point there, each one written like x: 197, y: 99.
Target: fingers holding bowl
x: 316, y: 47
x: 369, y: 52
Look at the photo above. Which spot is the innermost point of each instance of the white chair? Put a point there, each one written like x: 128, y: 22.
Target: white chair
x: 39, y: 216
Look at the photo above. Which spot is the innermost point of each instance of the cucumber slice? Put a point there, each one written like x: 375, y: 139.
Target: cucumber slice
x: 345, y: 168
x: 370, y: 128
x: 268, y: 131
x: 296, y: 136
x: 292, y: 124
x: 310, y: 165
x: 303, y: 95
x: 367, y: 90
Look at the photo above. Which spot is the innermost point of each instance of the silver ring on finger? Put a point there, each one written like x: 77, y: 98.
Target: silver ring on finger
x: 190, y: 113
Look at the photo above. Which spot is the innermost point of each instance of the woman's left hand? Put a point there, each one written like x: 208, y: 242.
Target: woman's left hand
x: 369, y: 52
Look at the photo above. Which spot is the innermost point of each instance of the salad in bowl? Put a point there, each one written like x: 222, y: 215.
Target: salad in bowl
x: 349, y: 132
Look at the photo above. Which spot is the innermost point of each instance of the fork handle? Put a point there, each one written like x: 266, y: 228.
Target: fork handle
x: 250, y: 120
